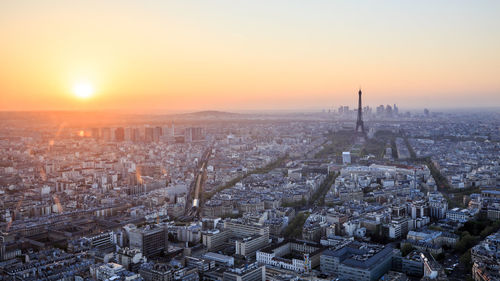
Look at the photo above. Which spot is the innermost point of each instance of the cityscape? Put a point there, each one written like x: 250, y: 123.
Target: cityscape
x: 363, y: 183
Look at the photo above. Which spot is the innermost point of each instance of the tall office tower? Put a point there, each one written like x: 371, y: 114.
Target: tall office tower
x: 95, y: 133
x: 150, y: 240
x: 380, y: 110
x: 136, y: 134
x: 366, y: 110
x: 148, y: 134
x: 106, y: 134
x: 168, y: 131
x: 127, y: 136
x: 188, y: 135
x: 119, y: 134
x: 168, y: 134
x: 193, y: 134
x: 345, y: 110
x: 113, y: 136
x: 341, y: 110
x: 395, y: 110
x: 388, y: 111
x: 360, y: 128
x: 157, y: 133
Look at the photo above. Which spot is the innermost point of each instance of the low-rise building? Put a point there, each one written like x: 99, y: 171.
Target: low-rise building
x: 357, y: 261
x: 294, y: 255
x: 252, y: 272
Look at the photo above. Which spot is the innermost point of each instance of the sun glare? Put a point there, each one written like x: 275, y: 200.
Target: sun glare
x: 83, y: 90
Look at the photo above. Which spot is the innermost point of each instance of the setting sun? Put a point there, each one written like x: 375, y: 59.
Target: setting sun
x: 83, y: 90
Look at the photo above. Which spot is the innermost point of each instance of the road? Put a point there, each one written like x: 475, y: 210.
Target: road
x: 196, y: 188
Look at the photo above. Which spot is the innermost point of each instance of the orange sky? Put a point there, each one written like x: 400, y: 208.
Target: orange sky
x: 170, y: 56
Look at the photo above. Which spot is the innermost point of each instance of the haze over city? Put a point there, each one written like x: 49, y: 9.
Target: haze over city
x: 249, y: 140
x: 180, y: 56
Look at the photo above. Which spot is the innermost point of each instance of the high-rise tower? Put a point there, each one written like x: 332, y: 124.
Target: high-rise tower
x: 360, y: 128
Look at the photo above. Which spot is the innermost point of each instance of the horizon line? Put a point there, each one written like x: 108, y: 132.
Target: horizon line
x: 240, y: 111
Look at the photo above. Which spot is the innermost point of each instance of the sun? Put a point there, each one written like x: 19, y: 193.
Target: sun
x: 83, y: 90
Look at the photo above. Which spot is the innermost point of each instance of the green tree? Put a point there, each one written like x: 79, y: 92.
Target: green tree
x: 439, y: 257
x: 406, y: 249
x: 466, y: 260
x: 294, y: 228
x: 466, y: 242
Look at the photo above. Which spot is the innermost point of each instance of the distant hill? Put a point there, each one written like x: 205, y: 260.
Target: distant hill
x: 209, y: 114
x: 61, y: 118
x: 89, y: 119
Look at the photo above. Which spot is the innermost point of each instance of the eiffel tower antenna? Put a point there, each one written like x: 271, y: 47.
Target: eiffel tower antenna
x: 360, y: 128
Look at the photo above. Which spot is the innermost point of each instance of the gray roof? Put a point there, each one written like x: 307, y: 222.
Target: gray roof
x: 348, y: 253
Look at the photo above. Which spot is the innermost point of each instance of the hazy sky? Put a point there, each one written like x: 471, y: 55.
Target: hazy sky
x: 156, y: 56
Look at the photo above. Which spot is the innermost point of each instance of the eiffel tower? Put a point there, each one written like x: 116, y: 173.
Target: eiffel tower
x: 360, y: 128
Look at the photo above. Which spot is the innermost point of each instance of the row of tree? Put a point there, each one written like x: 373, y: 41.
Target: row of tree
x: 294, y: 228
